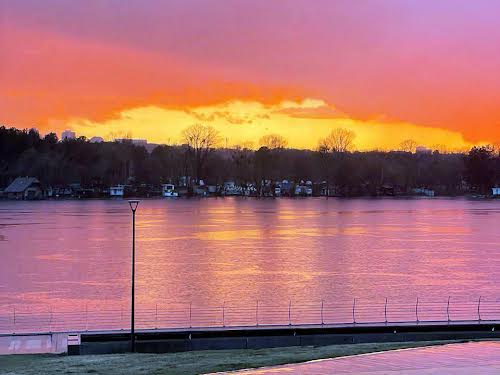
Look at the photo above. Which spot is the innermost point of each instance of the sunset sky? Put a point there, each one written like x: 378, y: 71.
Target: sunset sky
x: 388, y: 69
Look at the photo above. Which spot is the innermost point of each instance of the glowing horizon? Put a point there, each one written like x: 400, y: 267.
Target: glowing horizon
x: 387, y: 70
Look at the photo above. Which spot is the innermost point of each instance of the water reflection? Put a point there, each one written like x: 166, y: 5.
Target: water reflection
x: 244, y: 250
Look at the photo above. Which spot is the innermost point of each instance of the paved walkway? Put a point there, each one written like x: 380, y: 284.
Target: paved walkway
x: 458, y: 359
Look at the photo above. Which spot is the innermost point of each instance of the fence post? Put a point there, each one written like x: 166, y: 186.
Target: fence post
x: 479, y: 310
x: 257, y: 314
x: 353, y: 311
x: 86, y: 317
x: 190, y: 314
x: 50, y: 320
x: 385, y: 310
x: 224, y: 313
x: 416, y: 310
x: 290, y: 312
x: 322, y: 320
x: 448, y: 309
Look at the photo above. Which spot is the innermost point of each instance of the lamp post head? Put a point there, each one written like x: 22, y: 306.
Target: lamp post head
x: 133, y: 204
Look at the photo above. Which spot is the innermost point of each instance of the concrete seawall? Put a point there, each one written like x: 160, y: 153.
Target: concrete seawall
x: 34, y: 344
x: 178, y: 340
x: 256, y: 338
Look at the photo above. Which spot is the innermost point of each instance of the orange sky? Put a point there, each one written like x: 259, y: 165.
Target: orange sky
x: 388, y: 69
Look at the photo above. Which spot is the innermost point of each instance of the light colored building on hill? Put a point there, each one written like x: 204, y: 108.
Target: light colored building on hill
x: 423, y: 150
x: 96, y: 140
x: 137, y: 142
x: 67, y: 135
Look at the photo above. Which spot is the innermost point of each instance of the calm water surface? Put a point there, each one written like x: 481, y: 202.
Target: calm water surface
x: 213, y: 250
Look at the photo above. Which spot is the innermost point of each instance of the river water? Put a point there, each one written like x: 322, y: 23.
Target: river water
x: 210, y: 251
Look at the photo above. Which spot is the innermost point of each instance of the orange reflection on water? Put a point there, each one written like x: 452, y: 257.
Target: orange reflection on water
x: 209, y: 251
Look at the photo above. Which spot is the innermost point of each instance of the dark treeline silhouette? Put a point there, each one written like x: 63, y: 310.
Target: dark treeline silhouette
x: 78, y: 161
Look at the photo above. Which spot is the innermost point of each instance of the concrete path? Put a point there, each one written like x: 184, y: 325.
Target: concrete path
x: 458, y: 359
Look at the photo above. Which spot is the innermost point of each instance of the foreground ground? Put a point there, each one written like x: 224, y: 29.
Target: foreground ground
x: 452, y: 359
x: 198, y: 362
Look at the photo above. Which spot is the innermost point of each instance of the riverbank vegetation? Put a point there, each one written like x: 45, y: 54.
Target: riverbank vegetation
x: 341, y: 171
x: 185, y: 363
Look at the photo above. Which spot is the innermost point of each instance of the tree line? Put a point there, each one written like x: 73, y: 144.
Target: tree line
x: 334, y: 163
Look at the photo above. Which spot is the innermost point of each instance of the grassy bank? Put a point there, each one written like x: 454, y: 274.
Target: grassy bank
x: 198, y: 362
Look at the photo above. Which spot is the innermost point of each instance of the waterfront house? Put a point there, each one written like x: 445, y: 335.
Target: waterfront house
x: 309, y: 188
x: 277, y: 189
x: 117, y: 191
x: 168, y: 191
x: 424, y: 191
x: 200, y: 190
x: 286, y: 188
x: 326, y: 190
x: 304, y: 189
x: 230, y: 188
x: 24, y: 188
x: 213, y: 190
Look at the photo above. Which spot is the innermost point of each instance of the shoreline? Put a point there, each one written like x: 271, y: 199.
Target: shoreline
x: 196, y: 362
x: 187, y: 198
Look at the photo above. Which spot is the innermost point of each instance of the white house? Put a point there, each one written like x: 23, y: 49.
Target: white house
x: 168, y: 190
x: 117, y: 191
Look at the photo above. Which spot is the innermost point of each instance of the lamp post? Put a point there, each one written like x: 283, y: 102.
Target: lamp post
x: 133, y: 206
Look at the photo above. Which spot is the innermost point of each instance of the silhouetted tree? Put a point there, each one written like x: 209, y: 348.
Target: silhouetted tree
x: 408, y: 145
x: 273, y: 141
x: 339, y: 140
x: 23, y: 152
x: 480, y: 167
x: 201, y: 140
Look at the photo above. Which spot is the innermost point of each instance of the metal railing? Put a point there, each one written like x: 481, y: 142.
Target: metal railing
x: 184, y: 316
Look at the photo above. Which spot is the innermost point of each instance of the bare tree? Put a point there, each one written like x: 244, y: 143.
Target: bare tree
x: 339, y: 140
x: 119, y: 135
x: 408, y: 145
x: 273, y: 141
x: 201, y: 139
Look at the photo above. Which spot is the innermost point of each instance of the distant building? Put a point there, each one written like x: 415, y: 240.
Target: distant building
x: 24, y: 188
x: 495, y: 191
x: 68, y: 134
x: 137, y: 142
x: 423, y: 150
x: 96, y: 140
